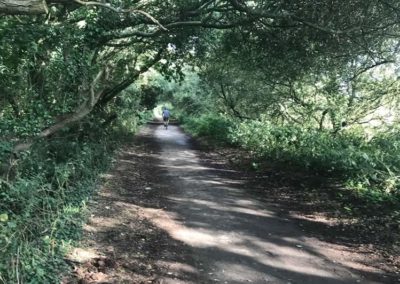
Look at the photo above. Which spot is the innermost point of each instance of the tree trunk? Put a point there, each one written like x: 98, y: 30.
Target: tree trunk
x: 86, y: 107
x: 83, y: 110
x: 321, y: 122
x: 16, y: 7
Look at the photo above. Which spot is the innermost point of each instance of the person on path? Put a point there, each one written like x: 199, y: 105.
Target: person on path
x: 166, y: 114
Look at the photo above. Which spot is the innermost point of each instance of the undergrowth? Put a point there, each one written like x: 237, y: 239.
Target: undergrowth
x: 368, y: 166
x: 43, y: 201
x: 209, y: 126
x: 368, y: 170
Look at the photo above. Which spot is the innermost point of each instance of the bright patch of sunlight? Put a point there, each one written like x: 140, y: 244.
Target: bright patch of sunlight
x: 72, y: 209
x: 385, y: 71
x: 157, y: 111
x: 287, y: 256
x: 81, y: 255
x: 81, y: 24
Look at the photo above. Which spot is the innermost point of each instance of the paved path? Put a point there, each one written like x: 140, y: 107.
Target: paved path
x: 165, y: 214
x: 231, y: 236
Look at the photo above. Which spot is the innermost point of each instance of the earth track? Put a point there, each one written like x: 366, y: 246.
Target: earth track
x: 165, y: 215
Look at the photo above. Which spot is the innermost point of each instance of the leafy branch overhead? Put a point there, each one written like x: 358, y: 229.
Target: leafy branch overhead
x: 62, y: 46
x: 309, y: 85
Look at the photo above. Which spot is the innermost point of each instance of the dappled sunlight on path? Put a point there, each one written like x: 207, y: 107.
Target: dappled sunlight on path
x: 233, y: 237
x: 165, y: 215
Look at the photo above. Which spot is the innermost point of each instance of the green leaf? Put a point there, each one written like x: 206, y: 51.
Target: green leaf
x: 3, y: 217
x: 347, y: 208
x: 12, y: 225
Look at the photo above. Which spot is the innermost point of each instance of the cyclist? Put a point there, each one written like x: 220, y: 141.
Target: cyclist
x: 166, y: 114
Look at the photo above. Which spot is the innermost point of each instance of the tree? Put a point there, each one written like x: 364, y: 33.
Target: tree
x: 122, y: 39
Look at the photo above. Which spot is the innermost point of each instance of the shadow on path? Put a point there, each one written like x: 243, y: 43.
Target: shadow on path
x: 172, y: 218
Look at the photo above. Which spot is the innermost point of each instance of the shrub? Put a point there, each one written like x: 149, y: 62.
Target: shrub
x: 365, y: 164
x: 42, y: 209
x: 213, y: 127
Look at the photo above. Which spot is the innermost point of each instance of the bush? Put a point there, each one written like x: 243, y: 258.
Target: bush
x: 371, y: 165
x: 213, y: 127
x: 42, y: 209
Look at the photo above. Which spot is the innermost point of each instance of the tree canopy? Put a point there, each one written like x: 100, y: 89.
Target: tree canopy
x: 306, y: 83
x: 79, y: 55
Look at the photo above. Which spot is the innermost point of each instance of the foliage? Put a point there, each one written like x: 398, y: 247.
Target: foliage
x: 310, y: 83
x: 301, y: 95
x: 211, y: 126
x: 43, y: 207
x: 44, y: 195
x: 367, y: 165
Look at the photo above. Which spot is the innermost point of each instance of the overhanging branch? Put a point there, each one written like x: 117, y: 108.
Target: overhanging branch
x: 94, y: 98
x: 17, y: 7
x: 83, y: 110
x: 119, y: 10
x: 111, y: 93
x: 287, y: 15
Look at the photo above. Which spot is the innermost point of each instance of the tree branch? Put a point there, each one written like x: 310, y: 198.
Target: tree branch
x: 286, y: 15
x: 111, y: 93
x: 17, y: 7
x: 169, y: 26
x: 95, y: 98
x: 365, y: 69
x: 119, y: 10
x: 84, y: 109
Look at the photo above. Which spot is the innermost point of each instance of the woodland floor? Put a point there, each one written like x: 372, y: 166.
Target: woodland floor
x: 171, y: 212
